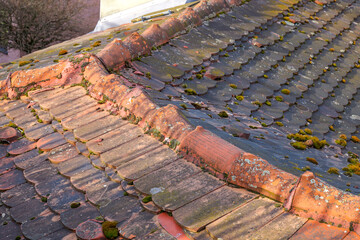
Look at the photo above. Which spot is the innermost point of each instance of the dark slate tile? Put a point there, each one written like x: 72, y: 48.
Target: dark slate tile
x: 74, y: 166
x: 72, y: 217
x: 102, y: 194
x: 61, y: 200
x: 41, y: 173
x: 63, y: 234
x: 140, y: 225
x: 29, y: 159
x: 27, y: 210
x: 52, y: 185
x: 18, y: 195
x: 84, y: 180
x: 120, y: 209
x: 10, y: 231
x: 11, y: 179
x: 41, y: 226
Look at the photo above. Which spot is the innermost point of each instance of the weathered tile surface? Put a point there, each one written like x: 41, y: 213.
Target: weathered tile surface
x: 177, y: 195
x: 239, y: 62
x: 138, y: 226
x: 29, y: 159
x: 170, y: 175
x: 11, y: 179
x: 72, y: 217
x: 316, y: 230
x: 282, y: 227
x: 61, y: 200
x: 258, y: 213
x: 128, y: 151
x: 121, y: 209
x: 199, y: 213
x: 103, y: 193
x: 18, y: 195
x: 28, y: 210
x: 147, y: 163
x: 21, y: 146
x: 62, y: 153
x: 98, y: 127
x: 50, y: 141
x: 41, y: 226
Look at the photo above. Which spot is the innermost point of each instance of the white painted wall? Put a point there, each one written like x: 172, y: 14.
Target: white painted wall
x: 114, y: 13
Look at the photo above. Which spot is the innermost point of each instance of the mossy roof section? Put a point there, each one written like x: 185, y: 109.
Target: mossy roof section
x: 239, y: 62
x: 82, y: 44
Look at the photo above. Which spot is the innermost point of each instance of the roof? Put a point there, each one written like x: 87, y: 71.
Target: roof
x: 222, y: 83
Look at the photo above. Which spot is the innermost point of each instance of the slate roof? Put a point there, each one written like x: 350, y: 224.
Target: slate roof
x: 272, y: 56
x: 249, y: 78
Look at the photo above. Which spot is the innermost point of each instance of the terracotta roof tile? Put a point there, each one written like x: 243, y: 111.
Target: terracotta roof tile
x: 250, y: 78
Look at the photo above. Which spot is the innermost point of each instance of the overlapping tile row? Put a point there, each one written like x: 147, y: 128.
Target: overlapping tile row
x: 265, y: 78
x: 196, y: 48
x: 113, y: 55
x: 56, y: 186
x: 58, y: 177
x: 49, y: 188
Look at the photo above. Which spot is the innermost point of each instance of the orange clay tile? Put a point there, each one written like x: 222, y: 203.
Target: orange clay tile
x: 136, y: 102
x: 319, y: 231
x: 352, y: 236
x: 8, y: 134
x: 169, y: 224
x: 114, y: 54
x: 356, y: 227
x: 234, y: 2
x: 172, y: 26
x: 90, y: 230
x: 218, y: 5
x: 208, y: 149
x: 50, y: 141
x: 61, y: 74
x: 323, y: 202
x: 254, y: 173
x: 170, y: 122
x: 24, y: 78
x: 189, y: 18
x: 203, y: 9
x: 243, y: 169
x: 155, y: 35
x: 137, y: 45
x: 21, y: 146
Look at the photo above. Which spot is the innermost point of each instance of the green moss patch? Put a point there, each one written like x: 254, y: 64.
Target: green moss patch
x: 305, y: 140
x: 341, y: 142
x: 333, y: 170
x: 190, y: 91
x: 75, y: 205
x: 285, y: 91
x: 239, y: 97
x: 96, y: 44
x: 299, y: 145
x: 223, y: 114
x: 109, y: 229
x: 62, y: 52
x: 23, y: 63
x: 312, y: 160
x: 279, y: 98
x: 147, y: 199
x: 355, y: 139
